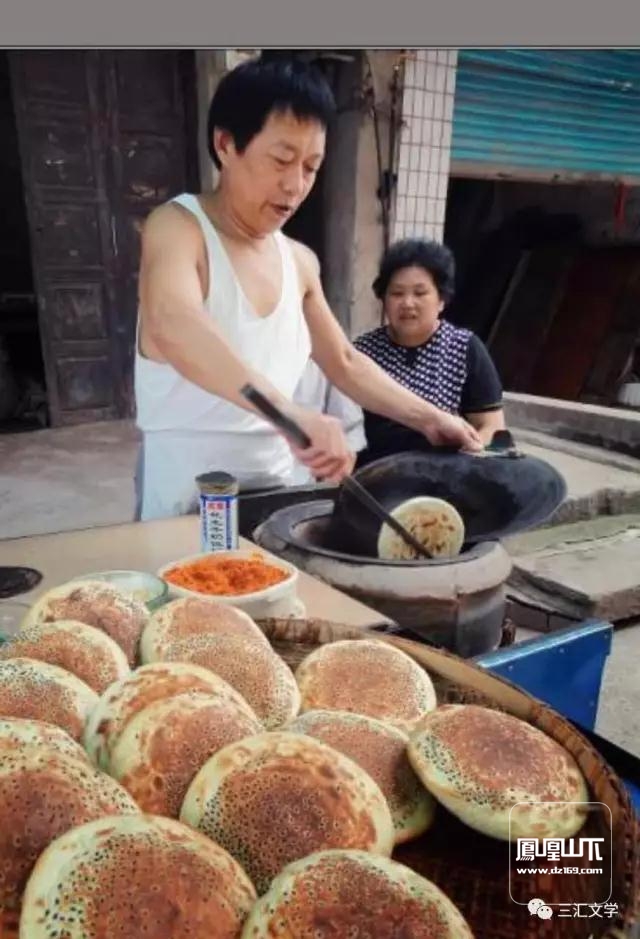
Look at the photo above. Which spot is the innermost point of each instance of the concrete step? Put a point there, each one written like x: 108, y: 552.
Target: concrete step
x: 615, y: 429
x: 581, y: 570
x: 598, y: 482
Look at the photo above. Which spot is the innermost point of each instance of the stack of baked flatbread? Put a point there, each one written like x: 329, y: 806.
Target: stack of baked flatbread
x: 172, y: 769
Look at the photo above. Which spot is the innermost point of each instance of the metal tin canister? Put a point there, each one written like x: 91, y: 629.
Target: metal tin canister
x: 218, y: 511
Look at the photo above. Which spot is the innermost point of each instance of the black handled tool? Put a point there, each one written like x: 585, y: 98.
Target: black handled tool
x: 275, y: 416
x: 298, y: 436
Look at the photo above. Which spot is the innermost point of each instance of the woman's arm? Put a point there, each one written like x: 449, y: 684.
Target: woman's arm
x: 361, y: 379
x: 482, y: 393
x: 487, y: 423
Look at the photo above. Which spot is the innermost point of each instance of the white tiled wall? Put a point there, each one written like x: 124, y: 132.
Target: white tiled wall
x: 425, y: 144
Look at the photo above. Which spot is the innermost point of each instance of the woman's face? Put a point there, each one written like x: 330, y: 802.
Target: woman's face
x: 412, y: 306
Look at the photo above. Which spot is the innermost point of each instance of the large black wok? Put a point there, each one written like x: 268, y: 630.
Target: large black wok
x: 496, y: 495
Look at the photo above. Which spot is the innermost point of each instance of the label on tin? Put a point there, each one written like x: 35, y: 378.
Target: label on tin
x: 219, y: 522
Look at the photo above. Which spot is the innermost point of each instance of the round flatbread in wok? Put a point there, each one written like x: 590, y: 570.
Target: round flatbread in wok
x: 436, y: 524
x: 82, y: 650
x: 43, y: 795
x: 162, y: 748
x: 381, y: 750
x: 479, y: 763
x: 97, y: 604
x: 193, y: 616
x: 277, y: 797
x: 251, y: 667
x: 366, y: 676
x: 19, y: 734
x: 134, y: 877
x: 39, y: 691
x: 353, y: 893
x: 124, y: 699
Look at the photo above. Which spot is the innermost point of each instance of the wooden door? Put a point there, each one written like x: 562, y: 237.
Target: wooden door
x: 61, y: 136
x: 98, y: 150
x: 151, y: 101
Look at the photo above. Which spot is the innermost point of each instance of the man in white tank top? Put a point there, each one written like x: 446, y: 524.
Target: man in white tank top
x: 226, y: 299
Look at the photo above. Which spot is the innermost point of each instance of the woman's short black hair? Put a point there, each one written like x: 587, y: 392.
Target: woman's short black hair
x: 249, y: 93
x: 434, y: 257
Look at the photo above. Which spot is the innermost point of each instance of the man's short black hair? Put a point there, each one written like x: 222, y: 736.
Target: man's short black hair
x: 249, y: 93
x: 434, y: 257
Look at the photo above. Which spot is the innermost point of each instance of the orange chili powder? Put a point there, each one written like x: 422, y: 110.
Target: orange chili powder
x: 225, y: 576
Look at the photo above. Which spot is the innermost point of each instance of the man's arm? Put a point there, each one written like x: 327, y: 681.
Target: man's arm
x: 173, y: 322
x: 350, y: 416
x: 361, y: 379
x: 176, y: 329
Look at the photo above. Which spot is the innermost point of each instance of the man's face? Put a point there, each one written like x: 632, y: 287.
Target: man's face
x: 272, y: 177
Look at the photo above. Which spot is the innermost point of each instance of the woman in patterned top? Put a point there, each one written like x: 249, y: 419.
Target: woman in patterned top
x: 445, y: 365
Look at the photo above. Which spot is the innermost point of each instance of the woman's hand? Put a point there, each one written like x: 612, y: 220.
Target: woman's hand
x: 328, y: 457
x: 446, y: 430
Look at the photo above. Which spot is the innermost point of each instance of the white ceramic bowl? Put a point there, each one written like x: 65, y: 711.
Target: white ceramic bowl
x: 150, y: 590
x: 277, y: 600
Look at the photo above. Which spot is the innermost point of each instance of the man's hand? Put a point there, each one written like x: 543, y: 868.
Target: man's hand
x: 351, y: 463
x: 446, y: 430
x: 328, y: 457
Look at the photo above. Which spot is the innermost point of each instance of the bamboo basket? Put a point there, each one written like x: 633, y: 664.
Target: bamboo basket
x: 473, y: 869
x: 470, y: 868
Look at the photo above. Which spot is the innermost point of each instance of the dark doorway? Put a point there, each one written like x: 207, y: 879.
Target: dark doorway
x: 23, y: 397
x: 548, y: 275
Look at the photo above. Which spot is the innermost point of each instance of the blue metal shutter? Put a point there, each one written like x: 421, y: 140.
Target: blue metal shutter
x: 547, y: 113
